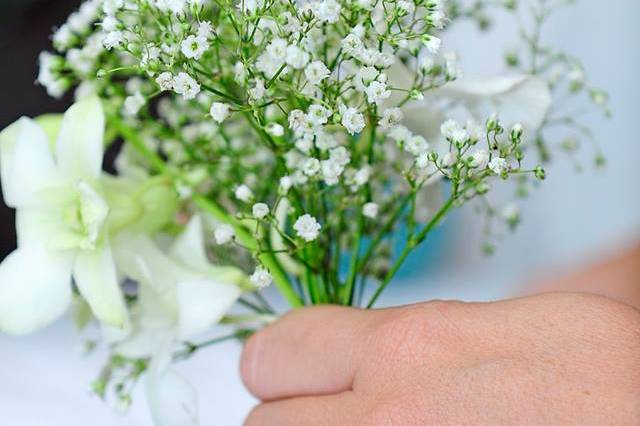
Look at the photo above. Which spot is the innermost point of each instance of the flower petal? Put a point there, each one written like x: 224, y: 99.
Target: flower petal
x: 202, y: 304
x: 26, y: 162
x: 188, y: 248
x: 172, y: 400
x: 94, y: 273
x: 79, y: 147
x: 35, y: 289
x: 522, y: 98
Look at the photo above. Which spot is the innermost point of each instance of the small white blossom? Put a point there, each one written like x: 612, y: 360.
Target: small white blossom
x: 296, y: 57
x: 275, y: 129
x: 260, y: 210
x: 165, y: 81
x: 185, y: 85
x: 113, y: 39
x: 480, y: 158
x: 316, y: 71
x: 243, y: 193
x: 223, y: 234
x: 327, y: 11
x: 132, y: 104
x: 219, y: 111
x: 352, y: 120
x: 370, y: 210
x: 498, y: 165
x: 377, y: 92
x: 432, y: 43
x: 205, y: 30
x: 307, y: 227
x: 261, y: 278
x: 390, y: 117
x: 194, y: 47
x: 311, y: 166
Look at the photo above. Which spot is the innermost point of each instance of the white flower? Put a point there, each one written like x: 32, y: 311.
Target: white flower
x: 275, y: 129
x: 432, y: 43
x: 63, y: 38
x: 261, y: 278
x: 480, y: 158
x: 296, y: 57
x: 205, y: 30
x: 416, y: 145
x: 110, y: 23
x: 331, y: 171
x: 165, y: 81
x: 390, y: 117
x: 352, y: 120
x: 260, y: 210
x: 327, y: 10
x: 377, y: 92
x: 219, y: 111
x: 113, y: 39
x: 318, y: 115
x: 311, y: 166
x: 185, y: 85
x: 352, y: 45
x: 180, y: 297
x: 449, y: 128
x: 110, y: 7
x: 258, y: 90
x: 340, y: 155
x: 370, y: 210
x: 307, y: 227
x: 223, y: 234
x: 53, y: 245
x: 422, y: 160
x: 194, y: 47
x: 498, y: 165
x: 316, y: 71
x: 132, y: 104
x: 243, y: 193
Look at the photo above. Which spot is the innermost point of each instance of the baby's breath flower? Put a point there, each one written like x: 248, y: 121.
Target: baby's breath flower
x: 260, y: 210
x: 498, y: 165
x: 307, y: 227
x: 165, y: 81
x: 261, y: 277
x: 219, y: 111
x: 133, y: 103
x: 370, y: 210
x: 186, y: 86
x: 194, y: 47
x: 243, y: 193
x: 352, y: 119
x: 316, y: 71
x: 223, y: 234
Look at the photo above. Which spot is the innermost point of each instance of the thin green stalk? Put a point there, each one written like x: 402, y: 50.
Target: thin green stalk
x: 411, y: 244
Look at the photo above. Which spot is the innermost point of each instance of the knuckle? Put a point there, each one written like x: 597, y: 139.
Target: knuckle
x: 427, y: 326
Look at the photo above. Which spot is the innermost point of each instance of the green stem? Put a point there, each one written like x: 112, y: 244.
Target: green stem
x: 411, y: 244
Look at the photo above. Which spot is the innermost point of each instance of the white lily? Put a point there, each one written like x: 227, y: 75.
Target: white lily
x: 60, y: 221
x: 180, y: 295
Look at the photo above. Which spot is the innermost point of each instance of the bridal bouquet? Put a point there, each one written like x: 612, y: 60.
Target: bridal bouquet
x: 311, y: 145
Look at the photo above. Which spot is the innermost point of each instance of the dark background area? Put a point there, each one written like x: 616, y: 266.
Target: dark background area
x: 25, y: 30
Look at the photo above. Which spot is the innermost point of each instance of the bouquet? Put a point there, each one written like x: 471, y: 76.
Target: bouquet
x: 293, y: 143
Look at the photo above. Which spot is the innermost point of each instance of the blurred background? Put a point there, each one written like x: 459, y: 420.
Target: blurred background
x: 573, y: 219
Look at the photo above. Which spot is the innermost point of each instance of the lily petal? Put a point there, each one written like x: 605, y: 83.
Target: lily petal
x: 202, y: 304
x: 26, y: 162
x: 522, y: 98
x: 95, y: 275
x: 35, y: 289
x: 172, y: 400
x: 79, y: 147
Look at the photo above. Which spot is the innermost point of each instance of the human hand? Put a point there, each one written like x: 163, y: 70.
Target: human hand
x: 553, y: 359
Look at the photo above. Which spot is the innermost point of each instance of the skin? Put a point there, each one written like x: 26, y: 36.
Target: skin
x: 548, y: 359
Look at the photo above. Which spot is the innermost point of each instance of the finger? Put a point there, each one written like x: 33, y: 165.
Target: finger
x: 310, y: 351
x: 326, y: 410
